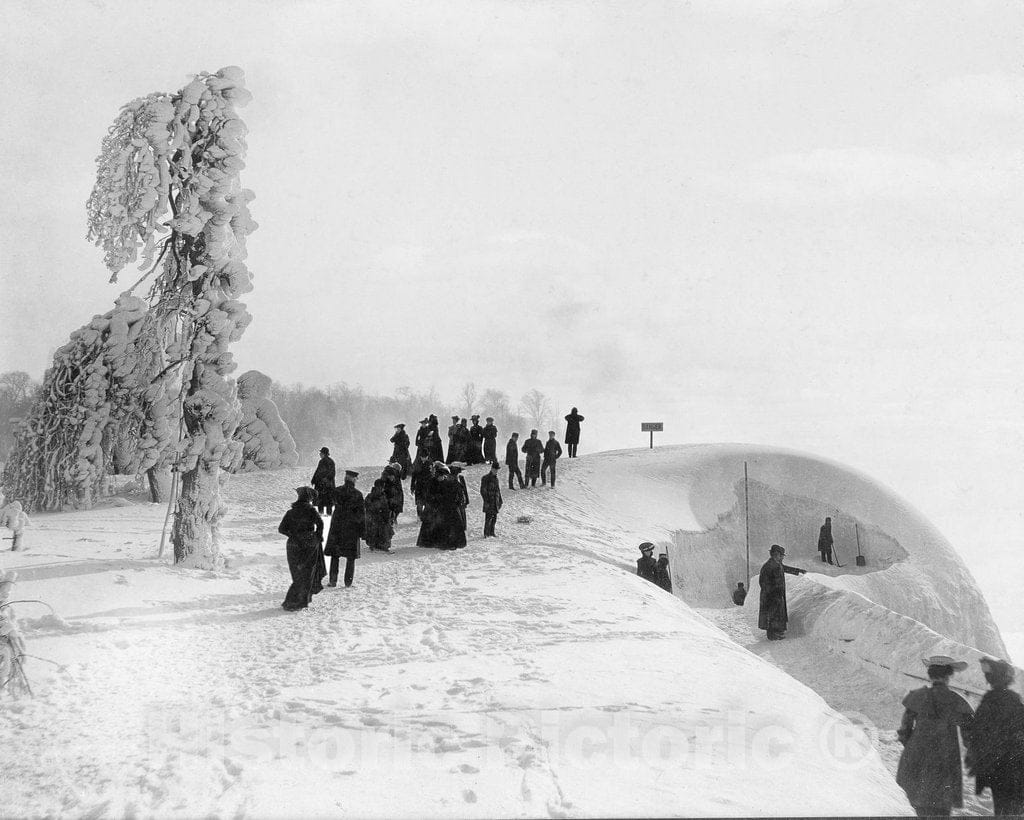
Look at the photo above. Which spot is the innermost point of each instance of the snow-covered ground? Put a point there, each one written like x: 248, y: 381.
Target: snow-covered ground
x: 528, y: 675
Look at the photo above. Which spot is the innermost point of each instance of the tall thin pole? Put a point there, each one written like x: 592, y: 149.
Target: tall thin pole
x: 746, y: 506
x: 652, y: 439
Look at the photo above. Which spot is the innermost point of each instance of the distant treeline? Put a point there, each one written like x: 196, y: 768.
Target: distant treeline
x: 17, y: 393
x: 357, y: 426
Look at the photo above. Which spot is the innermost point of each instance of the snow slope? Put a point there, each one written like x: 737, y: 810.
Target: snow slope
x: 529, y: 675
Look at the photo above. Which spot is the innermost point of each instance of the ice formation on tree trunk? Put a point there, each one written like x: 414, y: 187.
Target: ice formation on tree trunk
x: 14, y: 518
x: 12, y: 645
x: 267, y: 444
x: 101, y: 381
x: 170, y: 165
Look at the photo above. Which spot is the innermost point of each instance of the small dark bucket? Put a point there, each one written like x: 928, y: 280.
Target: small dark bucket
x: 861, y: 561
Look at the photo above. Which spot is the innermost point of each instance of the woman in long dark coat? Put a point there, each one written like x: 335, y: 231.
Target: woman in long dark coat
x: 400, y: 453
x: 453, y: 521
x: 304, y: 529
x: 436, y: 447
x: 347, y: 525
x: 432, y: 531
x: 572, y: 432
x: 996, y: 741
x: 475, y: 445
x: 392, y: 475
x: 929, y: 769
x: 378, y: 518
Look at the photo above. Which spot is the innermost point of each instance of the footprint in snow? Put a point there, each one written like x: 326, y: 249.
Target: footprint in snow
x: 469, y: 795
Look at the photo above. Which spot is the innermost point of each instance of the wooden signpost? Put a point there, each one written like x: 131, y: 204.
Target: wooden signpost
x: 652, y: 427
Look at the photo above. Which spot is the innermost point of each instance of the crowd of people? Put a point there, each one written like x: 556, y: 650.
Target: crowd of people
x: 438, y: 489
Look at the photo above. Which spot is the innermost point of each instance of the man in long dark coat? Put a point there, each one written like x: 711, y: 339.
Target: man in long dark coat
x: 490, y: 491
x: 475, y: 445
x: 454, y: 451
x: 825, y: 541
x: 490, y: 441
x: 552, y: 452
x: 347, y: 526
x: 533, y: 447
x: 645, y: 564
x: 572, y: 432
x: 512, y: 461
x: 773, y: 616
x: 323, y: 482
x: 400, y: 454
x: 453, y: 495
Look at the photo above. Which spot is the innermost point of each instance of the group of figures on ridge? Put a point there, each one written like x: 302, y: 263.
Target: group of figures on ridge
x: 438, y: 488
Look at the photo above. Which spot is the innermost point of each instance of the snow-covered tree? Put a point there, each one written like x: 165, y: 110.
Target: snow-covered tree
x: 100, y: 381
x: 266, y: 441
x: 168, y: 191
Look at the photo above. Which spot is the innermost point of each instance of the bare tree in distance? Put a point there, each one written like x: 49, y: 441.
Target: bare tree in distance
x: 536, y: 407
x: 468, y: 398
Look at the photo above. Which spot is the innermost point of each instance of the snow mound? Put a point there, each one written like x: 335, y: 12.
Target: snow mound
x: 914, y: 597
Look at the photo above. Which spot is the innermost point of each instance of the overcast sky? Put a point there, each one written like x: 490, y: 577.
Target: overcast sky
x: 793, y: 223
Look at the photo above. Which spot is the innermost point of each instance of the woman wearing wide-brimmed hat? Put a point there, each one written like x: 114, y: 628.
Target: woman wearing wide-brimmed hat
x: 996, y: 740
x: 929, y: 769
x: 305, y: 530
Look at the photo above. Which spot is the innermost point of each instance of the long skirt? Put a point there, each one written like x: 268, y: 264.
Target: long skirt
x: 302, y: 562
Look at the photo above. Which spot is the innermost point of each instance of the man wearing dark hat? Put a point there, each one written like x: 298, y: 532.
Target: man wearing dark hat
x: 347, y: 527
x: 323, y: 482
x: 400, y: 454
x: 552, y: 452
x: 490, y: 441
x: 646, y: 566
x: 512, y: 460
x: 995, y: 741
x: 490, y: 491
x: 453, y: 449
x: 773, y: 616
x: 533, y: 447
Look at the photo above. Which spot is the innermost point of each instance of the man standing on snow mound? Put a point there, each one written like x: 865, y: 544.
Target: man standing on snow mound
x: 825, y: 541
x: 533, y: 447
x: 347, y: 527
x: 572, y: 432
x: 490, y: 441
x: 323, y: 482
x: 552, y: 452
x: 646, y: 566
x: 512, y: 460
x: 773, y: 615
x: 490, y: 491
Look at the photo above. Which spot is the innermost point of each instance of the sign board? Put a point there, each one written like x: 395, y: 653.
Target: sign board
x: 652, y: 426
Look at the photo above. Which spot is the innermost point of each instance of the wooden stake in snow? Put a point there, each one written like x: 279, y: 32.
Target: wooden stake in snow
x: 746, y: 512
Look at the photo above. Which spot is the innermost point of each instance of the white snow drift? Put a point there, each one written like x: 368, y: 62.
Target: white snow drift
x: 529, y: 675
